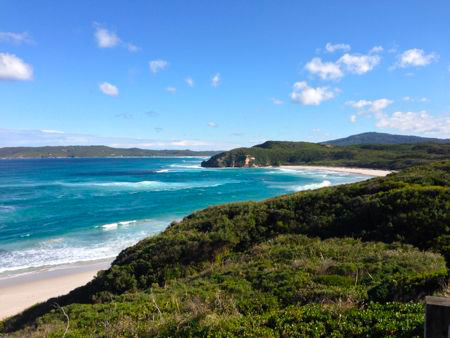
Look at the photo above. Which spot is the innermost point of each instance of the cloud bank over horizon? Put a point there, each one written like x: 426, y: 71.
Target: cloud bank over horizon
x: 49, y: 137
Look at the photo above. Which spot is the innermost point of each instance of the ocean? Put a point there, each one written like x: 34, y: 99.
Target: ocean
x: 61, y: 211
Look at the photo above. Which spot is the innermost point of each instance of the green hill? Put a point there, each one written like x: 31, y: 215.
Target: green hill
x: 383, y: 138
x: 92, y: 151
x: 354, y: 260
x: 275, y: 153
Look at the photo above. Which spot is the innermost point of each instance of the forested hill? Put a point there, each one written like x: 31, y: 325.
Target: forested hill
x: 353, y: 260
x: 92, y: 151
x: 383, y: 138
x: 275, y: 153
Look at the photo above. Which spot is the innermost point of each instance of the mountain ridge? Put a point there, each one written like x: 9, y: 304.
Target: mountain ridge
x: 93, y: 151
x: 382, y: 138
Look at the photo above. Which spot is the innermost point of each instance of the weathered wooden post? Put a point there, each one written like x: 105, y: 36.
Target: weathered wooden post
x: 437, y: 317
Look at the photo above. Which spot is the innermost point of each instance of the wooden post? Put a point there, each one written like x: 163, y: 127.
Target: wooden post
x: 437, y: 317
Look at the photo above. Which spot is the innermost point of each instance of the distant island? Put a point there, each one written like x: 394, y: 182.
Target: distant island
x: 92, y: 152
x: 375, y: 155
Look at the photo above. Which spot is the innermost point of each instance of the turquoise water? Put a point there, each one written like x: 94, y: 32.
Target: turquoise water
x: 59, y: 211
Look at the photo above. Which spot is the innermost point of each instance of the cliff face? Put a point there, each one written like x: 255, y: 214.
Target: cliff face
x: 230, y: 160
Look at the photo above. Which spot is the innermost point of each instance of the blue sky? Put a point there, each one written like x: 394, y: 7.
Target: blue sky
x: 221, y: 74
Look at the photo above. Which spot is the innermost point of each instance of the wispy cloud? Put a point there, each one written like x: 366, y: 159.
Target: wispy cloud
x: 331, y: 48
x: 46, y: 137
x: 108, y: 89
x: 189, y: 81
x: 374, y: 106
x: 158, y: 65
x: 106, y: 38
x: 276, y: 101
x: 151, y: 113
x: 171, y: 90
x: 14, y: 68
x: 15, y: 38
x: 215, y: 80
x: 125, y: 116
x: 212, y: 125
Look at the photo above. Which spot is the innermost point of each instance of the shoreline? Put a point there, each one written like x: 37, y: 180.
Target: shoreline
x: 22, y: 290
x: 359, y: 171
x: 19, y: 292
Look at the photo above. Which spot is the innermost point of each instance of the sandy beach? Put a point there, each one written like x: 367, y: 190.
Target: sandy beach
x: 359, y: 171
x: 18, y: 292
x: 22, y: 291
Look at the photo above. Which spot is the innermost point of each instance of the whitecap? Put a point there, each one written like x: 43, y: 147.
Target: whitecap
x: 151, y: 185
x: 194, y: 166
x: 311, y: 186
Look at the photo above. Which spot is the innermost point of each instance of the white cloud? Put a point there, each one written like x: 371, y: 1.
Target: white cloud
x: 172, y: 90
x: 412, y: 99
x: 212, y: 125
x: 15, y: 38
x: 106, y: 38
x: 353, y: 118
x: 351, y: 63
x: 52, y: 131
x: 276, y: 101
x: 306, y: 95
x: 132, y: 48
x: 48, y: 137
x: 157, y: 65
x: 14, y: 68
x: 326, y: 70
x: 370, y: 106
x: 418, y: 122
x: 416, y: 57
x: 188, y: 143
x: 331, y: 48
x: 359, y: 64
x: 376, y: 49
x: 108, y: 89
x: 189, y: 81
x: 215, y: 80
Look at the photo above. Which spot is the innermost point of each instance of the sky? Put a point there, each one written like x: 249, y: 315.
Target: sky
x: 221, y: 74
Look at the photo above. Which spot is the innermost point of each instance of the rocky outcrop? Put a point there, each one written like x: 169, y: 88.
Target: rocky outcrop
x: 230, y: 160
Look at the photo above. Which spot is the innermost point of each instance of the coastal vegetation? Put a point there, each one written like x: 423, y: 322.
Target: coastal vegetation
x: 383, y: 138
x: 354, y: 260
x: 378, y: 156
x: 92, y: 151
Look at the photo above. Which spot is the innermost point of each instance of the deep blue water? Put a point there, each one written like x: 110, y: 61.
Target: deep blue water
x: 57, y: 211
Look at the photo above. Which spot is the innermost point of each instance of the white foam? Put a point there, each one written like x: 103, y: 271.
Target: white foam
x: 112, y: 226
x: 151, y: 185
x: 74, y: 249
x: 195, y: 166
x: 311, y: 186
x: 162, y: 171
